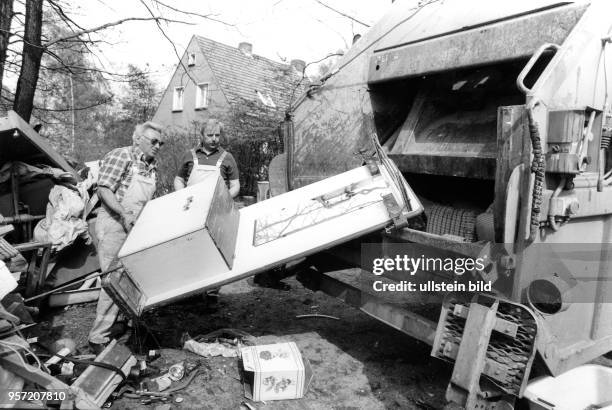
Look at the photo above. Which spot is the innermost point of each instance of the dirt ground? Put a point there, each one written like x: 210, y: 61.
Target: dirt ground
x: 358, y: 362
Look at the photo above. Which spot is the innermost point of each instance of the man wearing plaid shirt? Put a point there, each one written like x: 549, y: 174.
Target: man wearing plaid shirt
x: 127, y: 180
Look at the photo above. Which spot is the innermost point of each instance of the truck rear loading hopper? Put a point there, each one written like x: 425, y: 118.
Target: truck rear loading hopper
x: 498, y: 115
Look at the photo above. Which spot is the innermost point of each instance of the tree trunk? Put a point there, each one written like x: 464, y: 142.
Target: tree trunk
x: 6, y: 14
x: 30, y: 65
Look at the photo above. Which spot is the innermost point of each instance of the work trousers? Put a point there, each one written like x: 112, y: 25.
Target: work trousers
x: 111, y: 235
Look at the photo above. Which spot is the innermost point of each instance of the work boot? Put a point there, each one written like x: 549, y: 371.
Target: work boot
x: 97, y: 348
x: 118, y: 329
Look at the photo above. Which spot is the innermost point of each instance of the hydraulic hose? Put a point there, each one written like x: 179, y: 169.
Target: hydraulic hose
x: 537, y: 168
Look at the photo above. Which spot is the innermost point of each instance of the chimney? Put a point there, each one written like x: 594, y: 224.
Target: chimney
x: 298, y: 65
x: 246, y: 48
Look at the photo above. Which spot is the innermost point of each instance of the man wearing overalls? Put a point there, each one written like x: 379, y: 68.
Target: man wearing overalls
x: 127, y: 181
x: 209, y: 157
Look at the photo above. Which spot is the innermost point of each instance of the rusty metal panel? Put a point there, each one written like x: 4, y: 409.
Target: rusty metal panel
x: 483, y: 44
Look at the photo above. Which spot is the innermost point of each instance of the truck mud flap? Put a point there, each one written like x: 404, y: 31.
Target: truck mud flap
x: 490, y: 340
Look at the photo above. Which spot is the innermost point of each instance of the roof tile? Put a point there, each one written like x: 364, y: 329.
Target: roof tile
x: 240, y: 76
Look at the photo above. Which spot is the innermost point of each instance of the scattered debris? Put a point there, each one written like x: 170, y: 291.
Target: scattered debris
x: 177, y: 371
x: 64, y: 219
x: 222, y: 342
x: 162, y: 383
x: 316, y: 315
x: 210, y: 349
x: 247, y: 405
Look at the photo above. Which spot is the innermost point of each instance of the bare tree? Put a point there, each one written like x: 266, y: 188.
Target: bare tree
x: 37, y: 42
x: 6, y: 15
x: 30, y: 64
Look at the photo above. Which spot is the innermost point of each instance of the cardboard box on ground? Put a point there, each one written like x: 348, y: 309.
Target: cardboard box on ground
x: 275, y: 372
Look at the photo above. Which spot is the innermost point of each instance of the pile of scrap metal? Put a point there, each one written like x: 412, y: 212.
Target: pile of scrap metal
x: 42, y: 210
x: 29, y: 382
x: 43, y: 235
x: 70, y: 381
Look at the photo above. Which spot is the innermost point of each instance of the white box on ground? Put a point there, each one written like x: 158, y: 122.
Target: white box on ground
x: 275, y: 372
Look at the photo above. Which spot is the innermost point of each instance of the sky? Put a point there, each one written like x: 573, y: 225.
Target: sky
x: 278, y: 29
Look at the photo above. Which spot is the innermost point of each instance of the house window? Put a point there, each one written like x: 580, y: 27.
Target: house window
x: 191, y: 59
x: 177, y: 100
x: 202, y: 96
x: 266, y: 99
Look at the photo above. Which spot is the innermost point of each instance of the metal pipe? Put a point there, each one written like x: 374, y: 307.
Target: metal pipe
x: 19, y: 219
x: 602, y: 163
x: 93, y: 275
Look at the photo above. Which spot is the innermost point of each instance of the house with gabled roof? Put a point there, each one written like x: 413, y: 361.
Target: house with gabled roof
x: 214, y: 79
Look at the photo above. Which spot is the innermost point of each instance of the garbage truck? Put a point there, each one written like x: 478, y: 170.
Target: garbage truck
x: 467, y: 129
x: 498, y: 116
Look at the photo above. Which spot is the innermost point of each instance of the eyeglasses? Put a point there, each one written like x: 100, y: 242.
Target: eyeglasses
x: 155, y: 141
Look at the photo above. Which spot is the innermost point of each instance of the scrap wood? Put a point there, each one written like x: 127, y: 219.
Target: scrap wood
x: 74, y: 297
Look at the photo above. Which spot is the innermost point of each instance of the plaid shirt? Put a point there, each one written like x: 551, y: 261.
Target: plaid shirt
x: 115, y: 169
